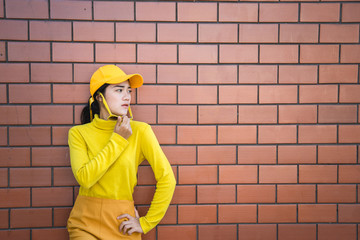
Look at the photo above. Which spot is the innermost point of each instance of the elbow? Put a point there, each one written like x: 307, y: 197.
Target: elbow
x: 83, y: 181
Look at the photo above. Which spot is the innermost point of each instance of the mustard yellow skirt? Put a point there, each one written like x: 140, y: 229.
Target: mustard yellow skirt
x: 96, y: 218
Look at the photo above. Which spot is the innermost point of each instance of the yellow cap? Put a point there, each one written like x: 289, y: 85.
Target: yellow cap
x: 112, y: 74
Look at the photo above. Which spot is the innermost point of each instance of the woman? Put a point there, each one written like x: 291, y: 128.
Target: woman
x: 105, y: 153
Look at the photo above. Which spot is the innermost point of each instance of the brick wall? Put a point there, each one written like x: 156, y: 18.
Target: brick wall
x: 255, y: 103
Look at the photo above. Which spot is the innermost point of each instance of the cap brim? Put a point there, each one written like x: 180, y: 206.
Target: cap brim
x: 135, y: 80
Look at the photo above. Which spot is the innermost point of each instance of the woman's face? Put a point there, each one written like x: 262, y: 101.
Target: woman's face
x: 118, y: 97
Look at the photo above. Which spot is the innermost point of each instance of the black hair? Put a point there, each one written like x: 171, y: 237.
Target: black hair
x: 95, y: 108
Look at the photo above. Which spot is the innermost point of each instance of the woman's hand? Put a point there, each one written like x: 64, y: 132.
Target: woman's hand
x: 123, y: 127
x: 131, y: 225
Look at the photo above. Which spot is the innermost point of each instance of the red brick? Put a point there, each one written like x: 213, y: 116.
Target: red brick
x: 52, y: 197
x: 141, y: 192
x: 257, y: 74
x: 1, y: 8
x: 258, y: 33
x: 24, y: 93
x: 210, y: 114
x: 2, y: 51
x: 237, y: 213
x: 336, y: 231
x: 23, y: 234
x: 50, y: 31
x: 217, y: 232
x: 3, y: 177
x: 217, y: 74
x: 12, y: 115
x: 4, y: 217
x: 108, y: 52
x: 238, y: 94
x: 218, y: 33
x: 277, y: 134
x: 157, y: 94
x: 337, y: 154
x: 165, y: 134
x: 349, y: 213
x: 177, y: 32
x: 335, y: 33
x: 197, y: 213
x: 50, y: 233
x: 297, y: 231
x: 180, y: 232
x: 320, y: 12
x: 27, y: 9
x: 337, y: 114
x: 144, y: 113
x: 278, y: 94
x: 318, y: 94
x: 61, y: 114
x: 28, y: 51
x: 60, y: 135
x: 71, y: 10
x: 198, y: 53
x: 237, y: 134
x: 316, y: 213
x: 155, y: 11
x: 15, y: 157
x: 78, y: 110
x: 24, y: 136
x: 338, y: 73
x: 296, y: 193
x: 3, y: 93
x: 180, y: 74
x: 317, y: 134
x: 3, y: 136
x: 278, y: 174
x: 70, y: 93
x: 84, y: 31
x: 294, y: 74
x: 84, y: 71
x: 196, y: 135
x: 23, y: 177
x: 277, y: 213
x: 278, y: 12
x: 177, y: 114
x: 50, y: 72
x: 13, y: 30
x: 257, y: 114
x: 180, y: 154
x: 63, y: 176
x: 114, y: 11
x: 156, y: 53
x: 146, y: 176
x: 238, y: 174
x: 278, y: 53
x: 257, y: 231
x: 349, y: 173
x: 216, y: 194
x: 197, y: 174
x: 197, y: 94
x: 235, y: 12
x: 256, y: 154
x: 298, y: 154
x: 336, y: 193
x: 61, y: 216
x: 190, y: 12
x: 73, y: 52
x: 243, y: 53
x: 350, y: 12
x: 350, y: 54
x: 184, y: 194
x: 15, y: 197
x: 319, y: 53
x: 349, y: 93
x: 255, y: 193
x: 299, y: 33
x: 170, y: 216
x: 297, y: 114
x: 135, y: 32
x: 34, y: 217
x: 148, y: 71
x: 317, y: 174
x: 50, y: 156
x: 216, y: 155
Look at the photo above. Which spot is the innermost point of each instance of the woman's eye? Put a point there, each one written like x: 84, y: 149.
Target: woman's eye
x: 119, y: 90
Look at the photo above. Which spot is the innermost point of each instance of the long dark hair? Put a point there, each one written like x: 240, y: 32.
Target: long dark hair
x: 95, y: 108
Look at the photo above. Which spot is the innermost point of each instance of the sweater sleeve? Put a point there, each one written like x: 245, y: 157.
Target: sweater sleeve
x: 165, y: 179
x: 88, y: 171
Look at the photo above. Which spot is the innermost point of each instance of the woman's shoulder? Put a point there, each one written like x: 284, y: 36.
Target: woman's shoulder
x: 141, y: 126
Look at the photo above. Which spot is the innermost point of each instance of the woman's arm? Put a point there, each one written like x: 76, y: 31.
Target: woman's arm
x: 164, y: 176
x: 88, y: 171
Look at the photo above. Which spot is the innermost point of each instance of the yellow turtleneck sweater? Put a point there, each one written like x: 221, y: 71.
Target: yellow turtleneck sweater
x: 106, y: 164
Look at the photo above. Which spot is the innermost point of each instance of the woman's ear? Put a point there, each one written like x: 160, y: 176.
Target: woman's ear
x: 98, y: 98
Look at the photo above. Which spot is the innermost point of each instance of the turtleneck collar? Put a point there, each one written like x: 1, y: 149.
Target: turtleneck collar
x: 103, y: 124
